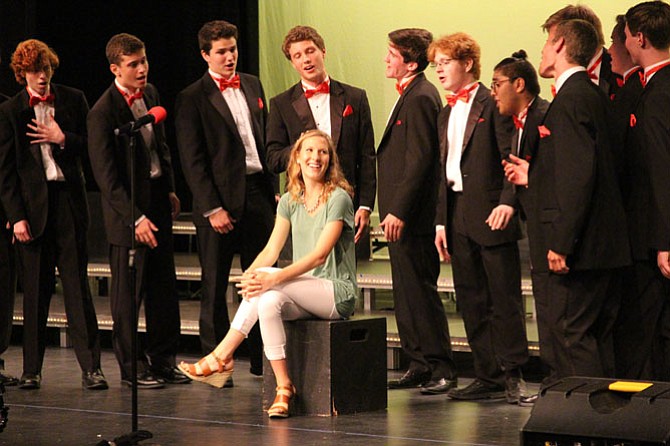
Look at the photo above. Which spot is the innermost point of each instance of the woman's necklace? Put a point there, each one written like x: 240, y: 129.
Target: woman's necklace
x: 313, y: 208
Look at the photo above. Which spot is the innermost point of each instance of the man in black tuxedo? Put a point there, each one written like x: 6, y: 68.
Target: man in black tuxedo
x: 578, y: 206
x: 599, y: 67
x: 648, y: 42
x: 156, y: 204
x: 42, y: 137
x: 340, y: 110
x: 516, y: 90
x: 408, y: 163
x: 220, y: 122
x: 476, y: 223
x: 7, y: 287
x: 631, y: 336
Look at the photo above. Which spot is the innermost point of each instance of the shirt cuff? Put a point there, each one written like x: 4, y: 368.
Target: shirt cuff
x: 365, y: 208
x: 139, y: 220
x: 439, y: 228
x: 212, y: 212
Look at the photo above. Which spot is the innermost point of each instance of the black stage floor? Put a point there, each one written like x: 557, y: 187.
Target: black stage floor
x: 62, y: 413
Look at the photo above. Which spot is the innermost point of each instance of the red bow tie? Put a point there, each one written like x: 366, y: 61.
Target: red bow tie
x: 463, y: 95
x: 234, y: 82
x: 620, y: 82
x: 518, y: 123
x: 323, y: 87
x: 130, y: 98
x: 553, y: 90
x: 34, y: 100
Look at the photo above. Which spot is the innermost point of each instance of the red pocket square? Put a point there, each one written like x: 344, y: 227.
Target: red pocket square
x: 260, y: 103
x: 481, y: 120
x: 633, y: 120
x: 398, y: 122
x: 544, y: 132
x: 347, y: 111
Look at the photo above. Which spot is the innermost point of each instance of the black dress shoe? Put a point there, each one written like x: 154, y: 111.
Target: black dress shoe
x: 171, y: 375
x: 410, y: 380
x: 229, y: 384
x: 8, y: 380
x: 528, y: 400
x: 94, y: 380
x: 438, y: 386
x: 515, y: 386
x: 30, y: 381
x: 145, y: 380
x: 477, y: 390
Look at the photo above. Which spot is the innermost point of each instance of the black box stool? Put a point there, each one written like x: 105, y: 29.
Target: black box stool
x: 337, y: 367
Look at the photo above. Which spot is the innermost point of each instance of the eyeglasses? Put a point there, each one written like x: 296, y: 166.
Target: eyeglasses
x: 441, y: 63
x: 496, y: 83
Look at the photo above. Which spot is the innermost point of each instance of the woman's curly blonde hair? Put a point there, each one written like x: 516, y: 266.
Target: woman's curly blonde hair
x: 333, y: 178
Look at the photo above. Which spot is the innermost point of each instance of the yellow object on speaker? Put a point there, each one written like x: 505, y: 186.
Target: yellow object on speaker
x: 629, y: 386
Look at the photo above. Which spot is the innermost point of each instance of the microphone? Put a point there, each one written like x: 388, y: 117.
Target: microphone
x: 154, y: 116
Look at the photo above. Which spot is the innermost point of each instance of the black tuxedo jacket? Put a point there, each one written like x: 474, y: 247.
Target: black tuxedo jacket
x: 110, y: 161
x: 24, y: 189
x: 3, y: 215
x: 351, y: 129
x: 210, y: 147
x: 578, y: 208
x: 653, y: 128
x: 486, y: 142
x: 408, y: 158
x: 632, y: 169
x: 530, y: 138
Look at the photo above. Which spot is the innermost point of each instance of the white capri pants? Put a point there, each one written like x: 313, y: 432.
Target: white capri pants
x: 300, y: 298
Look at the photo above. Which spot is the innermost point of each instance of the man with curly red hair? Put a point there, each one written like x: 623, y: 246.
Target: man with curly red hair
x: 42, y: 138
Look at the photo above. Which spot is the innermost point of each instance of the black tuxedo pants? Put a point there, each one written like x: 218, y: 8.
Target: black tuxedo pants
x: 575, y: 319
x: 487, y: 280
x: 216, y: 252
x: 642, y: 334
x: 422, y: 322
x: 155, y: 288
x: 7, y: 287
x: 63, y: 244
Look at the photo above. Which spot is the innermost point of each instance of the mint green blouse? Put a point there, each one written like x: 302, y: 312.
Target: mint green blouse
x: 340, y: 265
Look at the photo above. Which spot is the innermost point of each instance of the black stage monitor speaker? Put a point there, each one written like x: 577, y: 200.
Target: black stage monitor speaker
x: 586, y: 412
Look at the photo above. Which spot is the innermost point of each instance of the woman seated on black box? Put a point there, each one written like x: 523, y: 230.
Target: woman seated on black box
x: 321, y: 281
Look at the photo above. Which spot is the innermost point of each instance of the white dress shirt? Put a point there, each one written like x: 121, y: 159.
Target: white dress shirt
x: 45, y: 114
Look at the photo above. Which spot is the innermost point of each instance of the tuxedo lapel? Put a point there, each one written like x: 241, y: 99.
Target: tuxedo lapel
x: 301, y: 107
x: 253, y: 102
x: 475, y: 114
x: 214, y: 97
x: 394, y: 114
x: 525, y: 147
x: 26, y: 116
x: 443, y: 134
x: 120, y: 106
x: 336, y: 111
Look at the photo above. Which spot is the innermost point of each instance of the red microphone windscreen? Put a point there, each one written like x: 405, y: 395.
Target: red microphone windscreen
x: 158, y: 113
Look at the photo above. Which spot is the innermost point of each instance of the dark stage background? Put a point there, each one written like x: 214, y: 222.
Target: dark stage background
x: 79, y: 30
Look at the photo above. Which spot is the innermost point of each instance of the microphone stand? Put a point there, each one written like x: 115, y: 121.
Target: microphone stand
x: 136, y: 435
x: 132, y: 276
